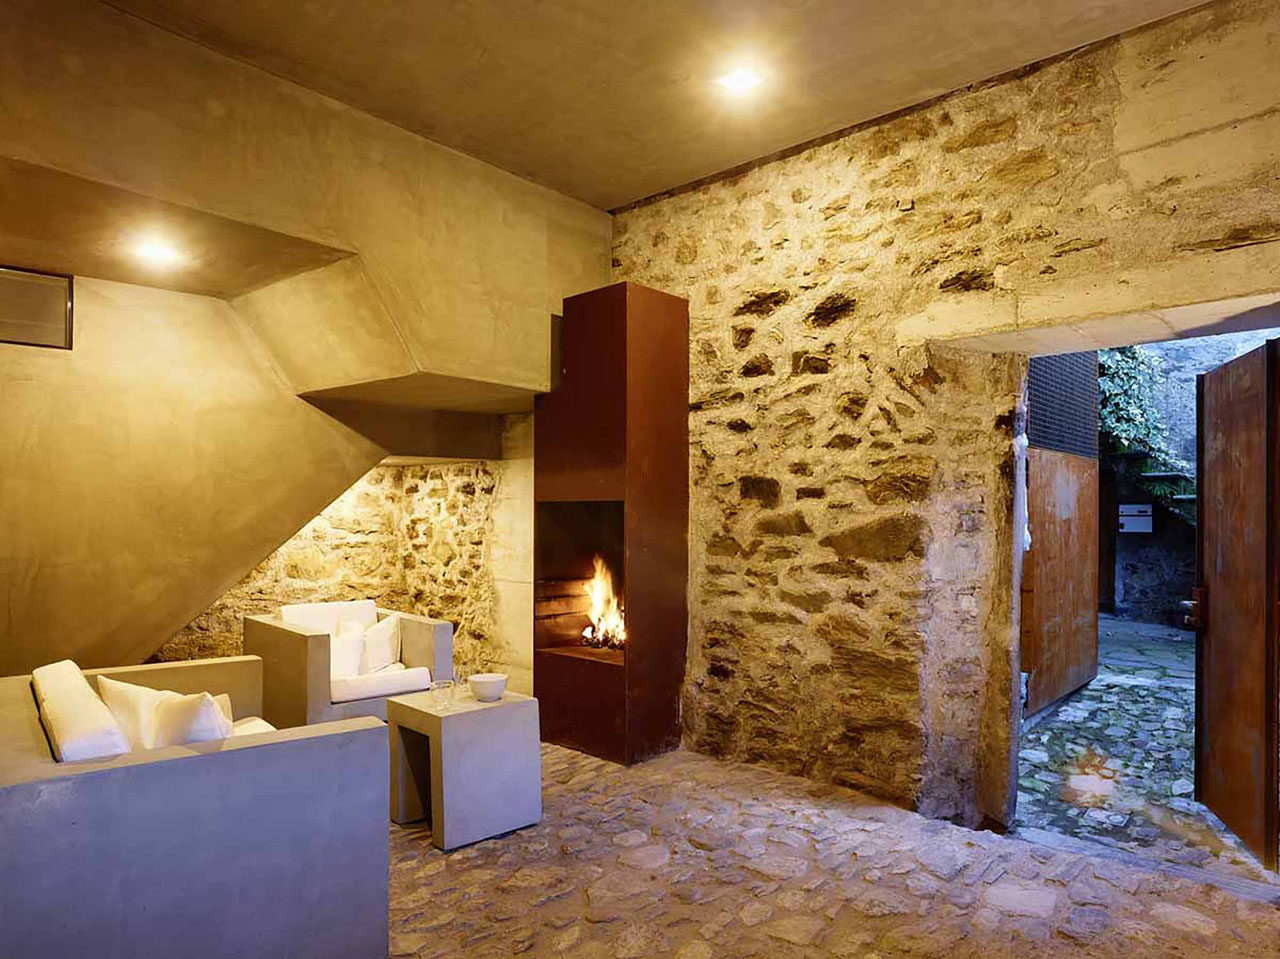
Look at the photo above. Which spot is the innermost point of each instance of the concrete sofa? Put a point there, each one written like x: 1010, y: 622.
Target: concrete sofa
x: 299, y: 683
x: 272, y: 844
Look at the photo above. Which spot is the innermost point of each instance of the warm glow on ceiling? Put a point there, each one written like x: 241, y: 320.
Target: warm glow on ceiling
x: 157, y: 252
x: 740, y: 81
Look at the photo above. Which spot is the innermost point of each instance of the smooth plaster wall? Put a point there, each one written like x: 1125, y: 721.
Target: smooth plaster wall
x: 144, y: 470
x: 511, y: 551
x: 853, y: 574
x: 149, y: 469
x: 469, y: 261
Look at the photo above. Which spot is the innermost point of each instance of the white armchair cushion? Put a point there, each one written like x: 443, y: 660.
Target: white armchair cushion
x: 388, y: 682
x: 324, y: 617
x: 79, y: 724
x: 196, y: 718
x: 381, y: 645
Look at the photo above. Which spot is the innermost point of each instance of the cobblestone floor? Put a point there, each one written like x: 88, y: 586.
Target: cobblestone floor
x: 1114, y: 762
x: 689, y: 857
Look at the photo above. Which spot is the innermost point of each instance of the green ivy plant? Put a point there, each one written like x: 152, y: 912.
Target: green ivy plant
x: 1130, y: 423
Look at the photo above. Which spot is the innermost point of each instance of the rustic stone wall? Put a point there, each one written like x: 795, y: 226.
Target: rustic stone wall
x: 1180, y: 362
x: 852, y: 584
x: 1155, y: 571
x: 414, y: 538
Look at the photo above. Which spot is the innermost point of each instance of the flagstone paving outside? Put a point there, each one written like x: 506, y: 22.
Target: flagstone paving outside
x: 1114, y: 763
x: 693, y: 858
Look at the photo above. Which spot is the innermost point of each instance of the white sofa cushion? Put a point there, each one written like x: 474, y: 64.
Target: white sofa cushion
x: 388, y: 682
x: 79, y: 724
x: 196, y: 718
x: 381, y: 645
x: 324, y: 617
x: 251, y: 725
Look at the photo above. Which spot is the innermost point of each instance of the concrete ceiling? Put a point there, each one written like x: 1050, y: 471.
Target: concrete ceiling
x: 612, y: 101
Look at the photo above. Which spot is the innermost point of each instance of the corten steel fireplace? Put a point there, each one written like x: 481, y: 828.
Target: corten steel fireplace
x: 611, y: 493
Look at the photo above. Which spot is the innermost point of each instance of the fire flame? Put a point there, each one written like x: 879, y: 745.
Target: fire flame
x: 607, y: 626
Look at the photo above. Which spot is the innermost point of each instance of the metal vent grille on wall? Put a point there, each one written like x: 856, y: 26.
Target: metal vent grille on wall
x: 35, y: 308
x: 1062, y: 403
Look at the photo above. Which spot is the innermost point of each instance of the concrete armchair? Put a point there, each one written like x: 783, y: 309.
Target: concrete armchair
x: 271, y: 844
x: 301, y: 689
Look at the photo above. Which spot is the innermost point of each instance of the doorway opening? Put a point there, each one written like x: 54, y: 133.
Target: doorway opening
x: 1108, y: 748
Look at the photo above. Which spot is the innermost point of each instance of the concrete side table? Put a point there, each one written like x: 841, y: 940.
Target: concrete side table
x: 479, y: 764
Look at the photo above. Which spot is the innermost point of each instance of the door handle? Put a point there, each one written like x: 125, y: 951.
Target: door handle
x: 1197, y: 608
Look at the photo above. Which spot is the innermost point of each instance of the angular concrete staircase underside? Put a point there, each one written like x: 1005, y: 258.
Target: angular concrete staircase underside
x: 187, y: 436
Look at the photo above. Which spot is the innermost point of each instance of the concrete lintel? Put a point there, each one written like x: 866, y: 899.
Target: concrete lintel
x: 1258, y: 312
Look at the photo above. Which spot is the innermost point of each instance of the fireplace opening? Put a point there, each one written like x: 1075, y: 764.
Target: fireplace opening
x: 579, y: 591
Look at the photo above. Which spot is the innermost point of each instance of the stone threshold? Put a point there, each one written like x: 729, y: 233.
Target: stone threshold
x: 1252, y: 889
x: 1120, y: 679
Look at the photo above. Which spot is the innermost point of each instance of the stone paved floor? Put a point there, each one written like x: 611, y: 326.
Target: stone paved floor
x: 689, y: 857
x: 1114, y: 762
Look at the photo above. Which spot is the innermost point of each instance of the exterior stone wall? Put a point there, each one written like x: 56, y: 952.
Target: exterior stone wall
x: 852, y: 610
x: 1180, y: 362
x: 414, y: 538
x: 1155, y: 571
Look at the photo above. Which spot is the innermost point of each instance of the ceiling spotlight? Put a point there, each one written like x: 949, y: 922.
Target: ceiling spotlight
x: 740, y: 81
x: 157, y: 252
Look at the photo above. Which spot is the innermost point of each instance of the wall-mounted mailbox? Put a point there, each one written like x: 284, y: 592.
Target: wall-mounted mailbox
x: 1135, y: 517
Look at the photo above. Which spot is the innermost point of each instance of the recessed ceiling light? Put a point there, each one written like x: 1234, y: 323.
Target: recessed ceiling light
x: 740, y: 81
x: 157, y: 252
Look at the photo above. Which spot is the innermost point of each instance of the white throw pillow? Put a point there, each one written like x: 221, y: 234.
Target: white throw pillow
x: 134, y: 708
x: 79, y: 724
x: 137, y: 710
x: 346, y: 649
x: 224, y: 703
x: 190, y: 719
x: 381, y: 645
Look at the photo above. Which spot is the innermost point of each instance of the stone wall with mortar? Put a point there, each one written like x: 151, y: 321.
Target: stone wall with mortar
x: 1155, y: 571
x: 414, y: 538
x: 852, y: 601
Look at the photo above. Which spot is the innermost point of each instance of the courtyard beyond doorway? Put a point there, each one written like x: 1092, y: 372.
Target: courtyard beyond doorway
x: 1113, y: 763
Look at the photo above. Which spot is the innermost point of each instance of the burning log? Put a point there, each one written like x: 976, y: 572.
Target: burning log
x: 608, y: 628
x: 562, y: 606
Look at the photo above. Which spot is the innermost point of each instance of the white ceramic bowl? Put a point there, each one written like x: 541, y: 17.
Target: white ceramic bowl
x: 487, y: 687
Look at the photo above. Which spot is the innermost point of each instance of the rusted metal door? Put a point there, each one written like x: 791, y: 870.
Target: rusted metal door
x: 1237, y: 689
x: 1060, y: 576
